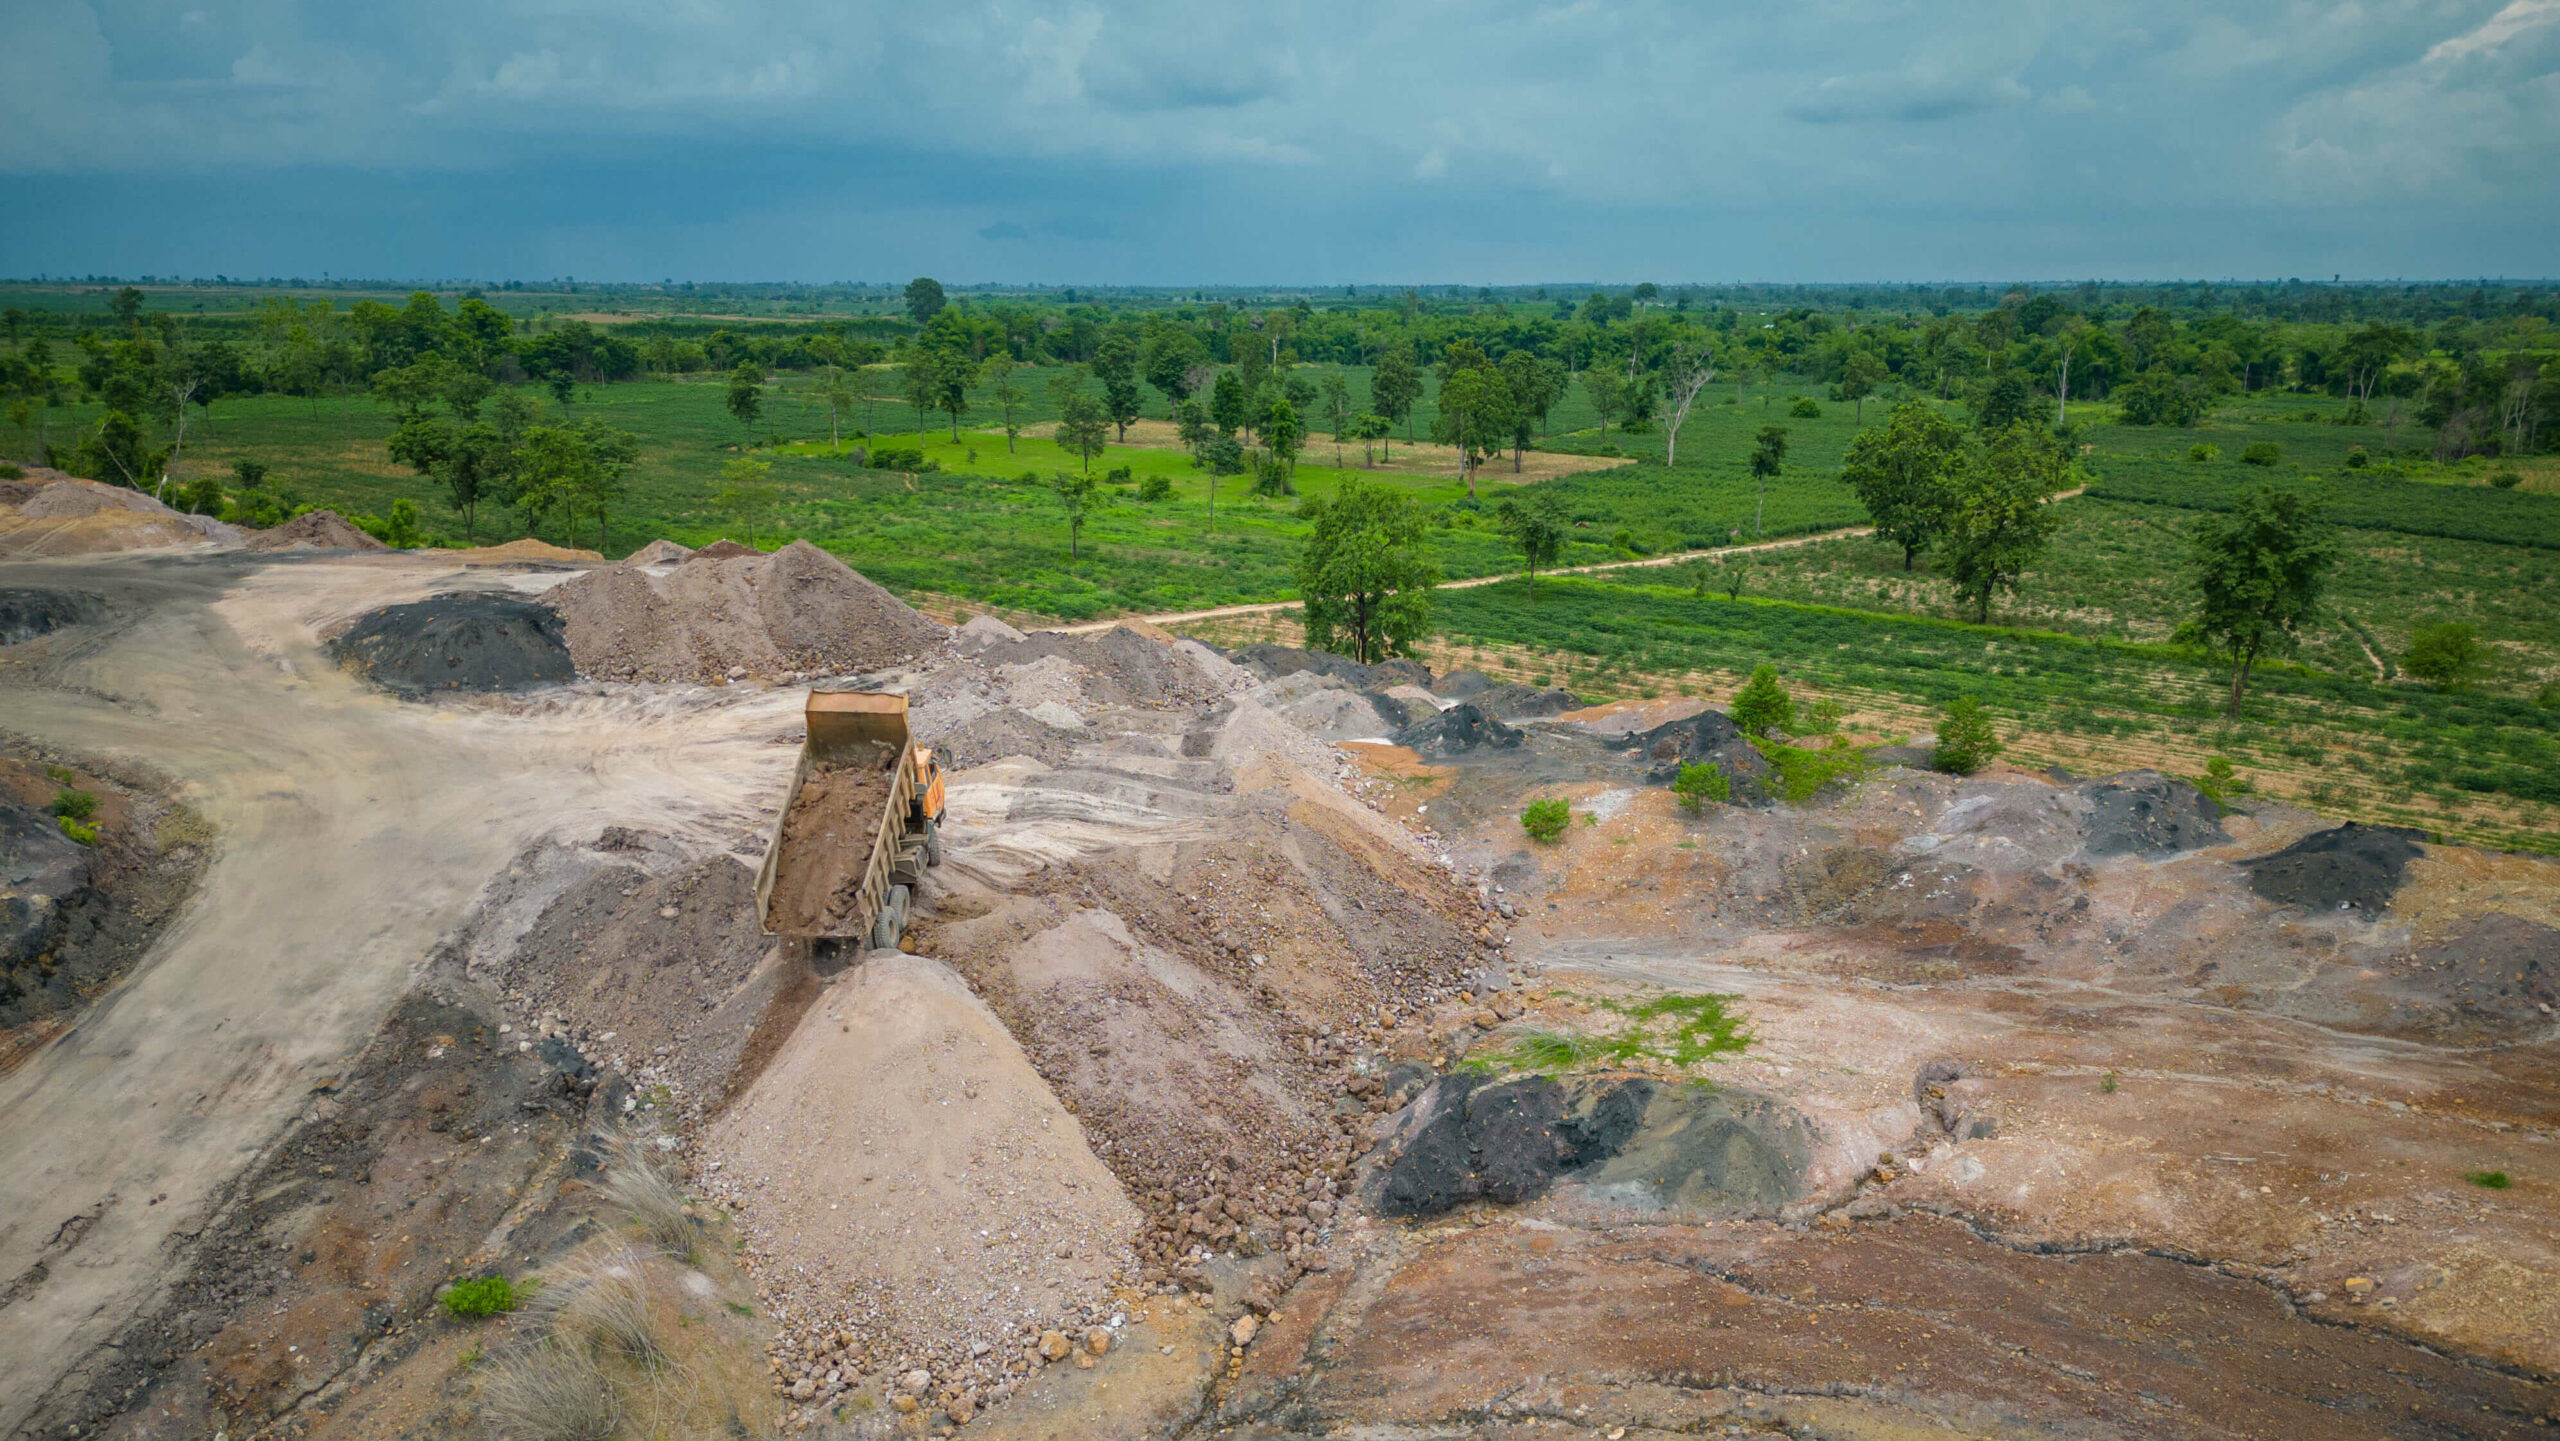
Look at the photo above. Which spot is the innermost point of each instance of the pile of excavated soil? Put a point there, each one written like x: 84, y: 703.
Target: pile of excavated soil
x: 26, y: 612
x: 1708, y: 738
x: 525, y: 549
x: 1627, y: 1142
x: 724, y: 550
x: 798, y: 610
x: 464, y: 642
x: 2495, y: 967
x: 1274, y: 661
x: 1122, y: 666
x: 1462, y: 729
x: 1462, y: 685
x: 912, y: 1193
x: 998, y: 734
x: 2144, y: 813
x: 2353, y: 867
x: 316, y: 530
x: 659, y: 552
x: 1521, y: 702
x: 50, y: 513
x: 826, y: 842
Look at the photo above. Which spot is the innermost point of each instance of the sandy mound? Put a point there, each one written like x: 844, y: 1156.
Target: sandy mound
x: 799, y: 609
x: 658, y: 552
x: 319, y: 530
x: 905, y: 1176
x: 723, y: 550
x: 982, y: 632
x: 523, y: 550
x: 50, y: 513
x: 457, y: 643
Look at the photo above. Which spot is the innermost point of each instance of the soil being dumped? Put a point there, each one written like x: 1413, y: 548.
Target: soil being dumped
x: 738, y: 613
x: 316, y: 530
x: 826, y: 841
x: 2354, y: 867
x: 28, y: 613
x: 457, y: 643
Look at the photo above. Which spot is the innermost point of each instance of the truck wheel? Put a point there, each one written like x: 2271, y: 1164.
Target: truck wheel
x: 893, y: 921
x: 932, y: 842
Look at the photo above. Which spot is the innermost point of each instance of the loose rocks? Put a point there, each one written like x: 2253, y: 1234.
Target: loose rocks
x: 2145, y: 813
x: 2354, y: 867
x: 457, y: 643
x: 1456, y: 731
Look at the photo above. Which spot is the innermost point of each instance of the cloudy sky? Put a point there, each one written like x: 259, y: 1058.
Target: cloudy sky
x: 1296, y: 141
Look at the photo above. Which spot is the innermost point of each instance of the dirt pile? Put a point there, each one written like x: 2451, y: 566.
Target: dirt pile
x: 998, y: 734
x: 27, y: 613
x: 2353, y: 867
x: 725, y: 550
x: 1520, y: 702
x: 1462, y: 729
x: 2144, y: 813
x: 912, y: 1194
x: 1626, y: 1141
x: 1461, y: 685
x: 471, y: 643
x: 521, y: 551
x: 1122, y: 666
x: 50, y: 513
x: 826, y: 843
x: 1707, y: 738
x: 1274, y: 661
x: 659, y: 552
x: 316, y: 530
x: 734, y: 614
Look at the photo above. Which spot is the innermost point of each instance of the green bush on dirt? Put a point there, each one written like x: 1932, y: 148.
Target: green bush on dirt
x: 483, y: 1296
x: 1804, y: 772
x: 2220, y: 782
x: 1966, y: 742
x: 1545, y: 820
x: 85, y: 835
x: 2489, y: 1180
x: 1698, y: 784
x: 73, y: 804
x: 1763, y: 705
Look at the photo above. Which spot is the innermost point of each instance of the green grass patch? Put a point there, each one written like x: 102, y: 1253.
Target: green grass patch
x: 1804, y: 772
x: 1671, y: 1029
x: 2489, y: 1180
x: 484, y: 1296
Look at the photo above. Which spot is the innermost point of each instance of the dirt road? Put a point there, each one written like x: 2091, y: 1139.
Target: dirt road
x: 355, y: 831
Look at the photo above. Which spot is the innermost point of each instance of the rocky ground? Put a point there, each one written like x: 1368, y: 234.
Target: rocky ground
x: 1248, y: 1071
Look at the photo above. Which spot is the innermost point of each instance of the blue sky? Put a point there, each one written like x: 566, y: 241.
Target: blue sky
x: 1295, y: 141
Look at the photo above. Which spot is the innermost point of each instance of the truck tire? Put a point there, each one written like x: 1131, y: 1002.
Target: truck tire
x: 932, y: 842
x: 893, y: 921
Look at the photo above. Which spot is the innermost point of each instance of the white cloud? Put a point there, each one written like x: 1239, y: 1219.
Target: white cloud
x: 1433, y: 164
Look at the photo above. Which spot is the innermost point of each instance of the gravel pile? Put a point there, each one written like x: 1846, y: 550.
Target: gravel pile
x: 317, y: 530
x: 1461, y: 729
x: 457, y: 643
x: 734, y: 614
x: 2144, y: 813
x: 2354, y: 867
x: 1521, y: 702
x: 1707, y: 738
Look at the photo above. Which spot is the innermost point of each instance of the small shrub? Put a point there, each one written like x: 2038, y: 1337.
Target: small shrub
x: 2107, y: 1083
x: 1823, y: 717
x: 85, y: 835
x: 2220, y: 782
x: 400, y: 532
x: 1966, y: 742
x: 2357, y: 459
x: 2506, y: 480
x: 1155, y: 488
x: 1804, y: 407
x: 1803, y: 772
x: 1698, y: 784
x: 1545, y: 820
x: 79, y: 805
x: 1762, y: 705
x: 2261, y: 452
x: 2489, y: 1180
x: 2445, y: 654
x: 482, y: 1296
x: 1116, y: 475
x: 2204, y: 450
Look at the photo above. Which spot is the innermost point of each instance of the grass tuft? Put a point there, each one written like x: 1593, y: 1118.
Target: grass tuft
x: 2489, y: 1180
x: 637, y: 1187
x: 551, y: 1392
x: 484, y: 1296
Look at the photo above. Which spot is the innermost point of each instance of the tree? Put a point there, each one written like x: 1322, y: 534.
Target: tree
x: 1396, y: 385
x: 1608, y: 392
x: 116, y: 452
x: 1999, y: 519
x: 1169, y: 360
x: 1474, y: 416
x: 1228, y: 402
x: 1768, y: 452
x: 1859, y: 380
x: 580, y: 468
x: 747, y: 491
x: 746, y: 395
x: 952, y: 372
x: 921, y: 383
x: 2157, y: 397
x: 924, y: 299
x: 2260, y: 571
x: 1283, y: 433
x: 834, y: 390
x: 1364, y: 575
x: 1536, y: 385
x: 1084, y: 428
x: 2070, y: 332
x: 1900, y: 474
x: 2005, y: 400
x: 1369, y: 428
x: 2444, y: 654
x: 2369, y: 352
x: 1687, y: 374
x: 1762, y: 705
x: 1337, y: 410
x: 1079, y: 494
x: 1115, y: 364
x: 998, y: 373
x: 1966, y: 742
x: 1535, y: 526
x: 1698, y: 784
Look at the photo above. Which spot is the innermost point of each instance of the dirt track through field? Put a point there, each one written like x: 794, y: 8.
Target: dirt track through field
x: 355, y: 830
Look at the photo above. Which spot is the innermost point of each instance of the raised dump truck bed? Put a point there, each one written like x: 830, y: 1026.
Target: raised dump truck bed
x: 857, y: 826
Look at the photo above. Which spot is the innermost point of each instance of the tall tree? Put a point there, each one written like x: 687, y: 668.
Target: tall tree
x: 834, y: 391
x: 1863, y: 373
x: 2000, y: 515
x: 924, y: 298
x: 1900, y: 474
x: 1170, y: 359
x: 2070, y: 334
x: 1608, y: 392
x: 1536, y: 385
x: 921, y: 383
x: 1687, y: 373
x: 1084, y: 427
x: 1337, y: 410
x: 2260, y: 571
x: 1396, y: 385
x: 998, y: 373
x: 1228, y: 403
x: 1768, y: 453
x: 1115, y: 364
x: 1535, y: 525
x: 1474, y: 416
x: 1365, y: 574
x: 746, y: 395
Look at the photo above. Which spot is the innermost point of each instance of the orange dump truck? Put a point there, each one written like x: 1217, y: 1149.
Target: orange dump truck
x: 858, y: 826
